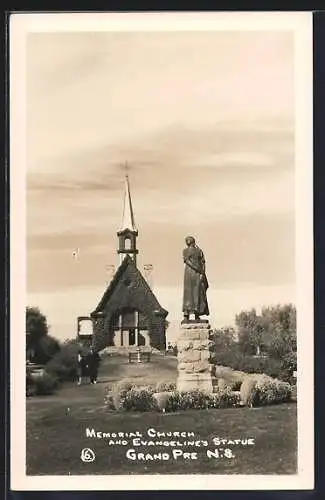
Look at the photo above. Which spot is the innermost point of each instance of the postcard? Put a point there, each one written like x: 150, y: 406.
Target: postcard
x: 161, y: 180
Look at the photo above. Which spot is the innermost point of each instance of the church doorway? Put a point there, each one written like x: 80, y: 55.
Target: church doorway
x: 130, y: 328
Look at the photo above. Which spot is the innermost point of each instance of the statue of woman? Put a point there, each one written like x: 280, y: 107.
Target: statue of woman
x: 195, y: 281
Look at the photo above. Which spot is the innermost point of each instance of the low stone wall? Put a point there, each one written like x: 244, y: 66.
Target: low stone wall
x: 194, y: 366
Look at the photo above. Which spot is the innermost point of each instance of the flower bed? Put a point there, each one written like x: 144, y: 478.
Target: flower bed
x: 255, y: 390
x: 126, y: 396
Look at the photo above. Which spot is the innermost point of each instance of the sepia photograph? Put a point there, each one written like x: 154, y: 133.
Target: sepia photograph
x: 162, y: 251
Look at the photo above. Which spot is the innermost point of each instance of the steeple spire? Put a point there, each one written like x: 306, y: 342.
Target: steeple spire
x: 127, y: 235
x: 127, y: 222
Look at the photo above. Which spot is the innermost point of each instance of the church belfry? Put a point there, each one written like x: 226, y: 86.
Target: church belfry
x: 127, y: 235
x: 129, y: 315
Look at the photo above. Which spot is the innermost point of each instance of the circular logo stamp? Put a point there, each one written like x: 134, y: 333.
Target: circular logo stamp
x: 87, y: 455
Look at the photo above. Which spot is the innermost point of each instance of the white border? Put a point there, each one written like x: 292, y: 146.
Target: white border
x: 301, y: 25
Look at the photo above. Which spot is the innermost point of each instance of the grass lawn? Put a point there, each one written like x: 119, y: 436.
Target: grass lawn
x: 56, y: 432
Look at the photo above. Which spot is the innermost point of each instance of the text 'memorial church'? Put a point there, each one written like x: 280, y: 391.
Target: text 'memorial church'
x: 128, y: 314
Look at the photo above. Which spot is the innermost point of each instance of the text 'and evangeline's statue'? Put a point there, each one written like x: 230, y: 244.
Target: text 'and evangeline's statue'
x: 195, y: 281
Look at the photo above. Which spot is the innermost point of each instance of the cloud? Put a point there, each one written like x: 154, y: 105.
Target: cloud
x: 208, y: 130
x: 155, y: 156
x: 259, y: 249
x: 105, y: 88
x: 233, y: 159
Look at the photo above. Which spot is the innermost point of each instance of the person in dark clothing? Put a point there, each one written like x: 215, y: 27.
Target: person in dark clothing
x: 93, y: 364
x: 82, y: 366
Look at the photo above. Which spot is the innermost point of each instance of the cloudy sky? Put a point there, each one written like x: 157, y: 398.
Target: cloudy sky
x: 205, y: 121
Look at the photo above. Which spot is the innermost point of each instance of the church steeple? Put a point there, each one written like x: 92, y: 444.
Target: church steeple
x: 127, y: 235
x: 127, y: 215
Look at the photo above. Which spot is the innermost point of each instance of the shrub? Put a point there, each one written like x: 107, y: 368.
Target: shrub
x: 59, y: 368
x: 45, y: 384
x: 224, y: 398
x: 259, y: 390
x: 46, y: 348
x: 251, y: 364
x: 268, y: 366
x: 126, y: 396
x: 64, y: 364
x: 272, y: 391
x: 175, y: 401
x: 199, y: 400
x: 139, y: 399
x: 237, y: 360
x: 230, y: 357
x: 165, y: 386
x: 271, y: 367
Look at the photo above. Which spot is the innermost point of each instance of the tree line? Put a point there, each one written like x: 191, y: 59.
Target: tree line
x: 265, y: 342
x: 40, y: 346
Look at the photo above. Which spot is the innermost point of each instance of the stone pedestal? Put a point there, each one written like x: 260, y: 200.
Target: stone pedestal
x: 194, y: 367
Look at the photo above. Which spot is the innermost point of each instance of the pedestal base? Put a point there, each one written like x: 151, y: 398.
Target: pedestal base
x: 195, y: 381
x: 194, y: 367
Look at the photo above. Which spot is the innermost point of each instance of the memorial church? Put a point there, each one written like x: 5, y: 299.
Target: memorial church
x: 128, y: 314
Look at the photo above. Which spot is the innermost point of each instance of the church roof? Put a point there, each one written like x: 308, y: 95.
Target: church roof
x: 128, y: 222
x: 127, y: 261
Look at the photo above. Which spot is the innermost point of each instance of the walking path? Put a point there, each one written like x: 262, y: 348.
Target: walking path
x: 113, y: 369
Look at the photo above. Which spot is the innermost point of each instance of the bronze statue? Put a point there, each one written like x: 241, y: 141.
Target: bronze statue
x: 195, y: 281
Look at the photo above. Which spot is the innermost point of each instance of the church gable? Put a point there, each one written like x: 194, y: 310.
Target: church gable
x: 129, y: 289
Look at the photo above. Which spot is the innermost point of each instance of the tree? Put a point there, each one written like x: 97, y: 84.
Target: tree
x: 64, y: 364
x: 45, y: 349
x: 224, y: 348
x: 223, y: 338
x: 251, y: 331
x: 289, y: 366
x: 274, y: 330
x: 36, y: 323
x: 36, y: 329
x: 280, y: 327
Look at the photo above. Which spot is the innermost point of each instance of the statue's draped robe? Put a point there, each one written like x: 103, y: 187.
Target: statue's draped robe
x: 195, y: 282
